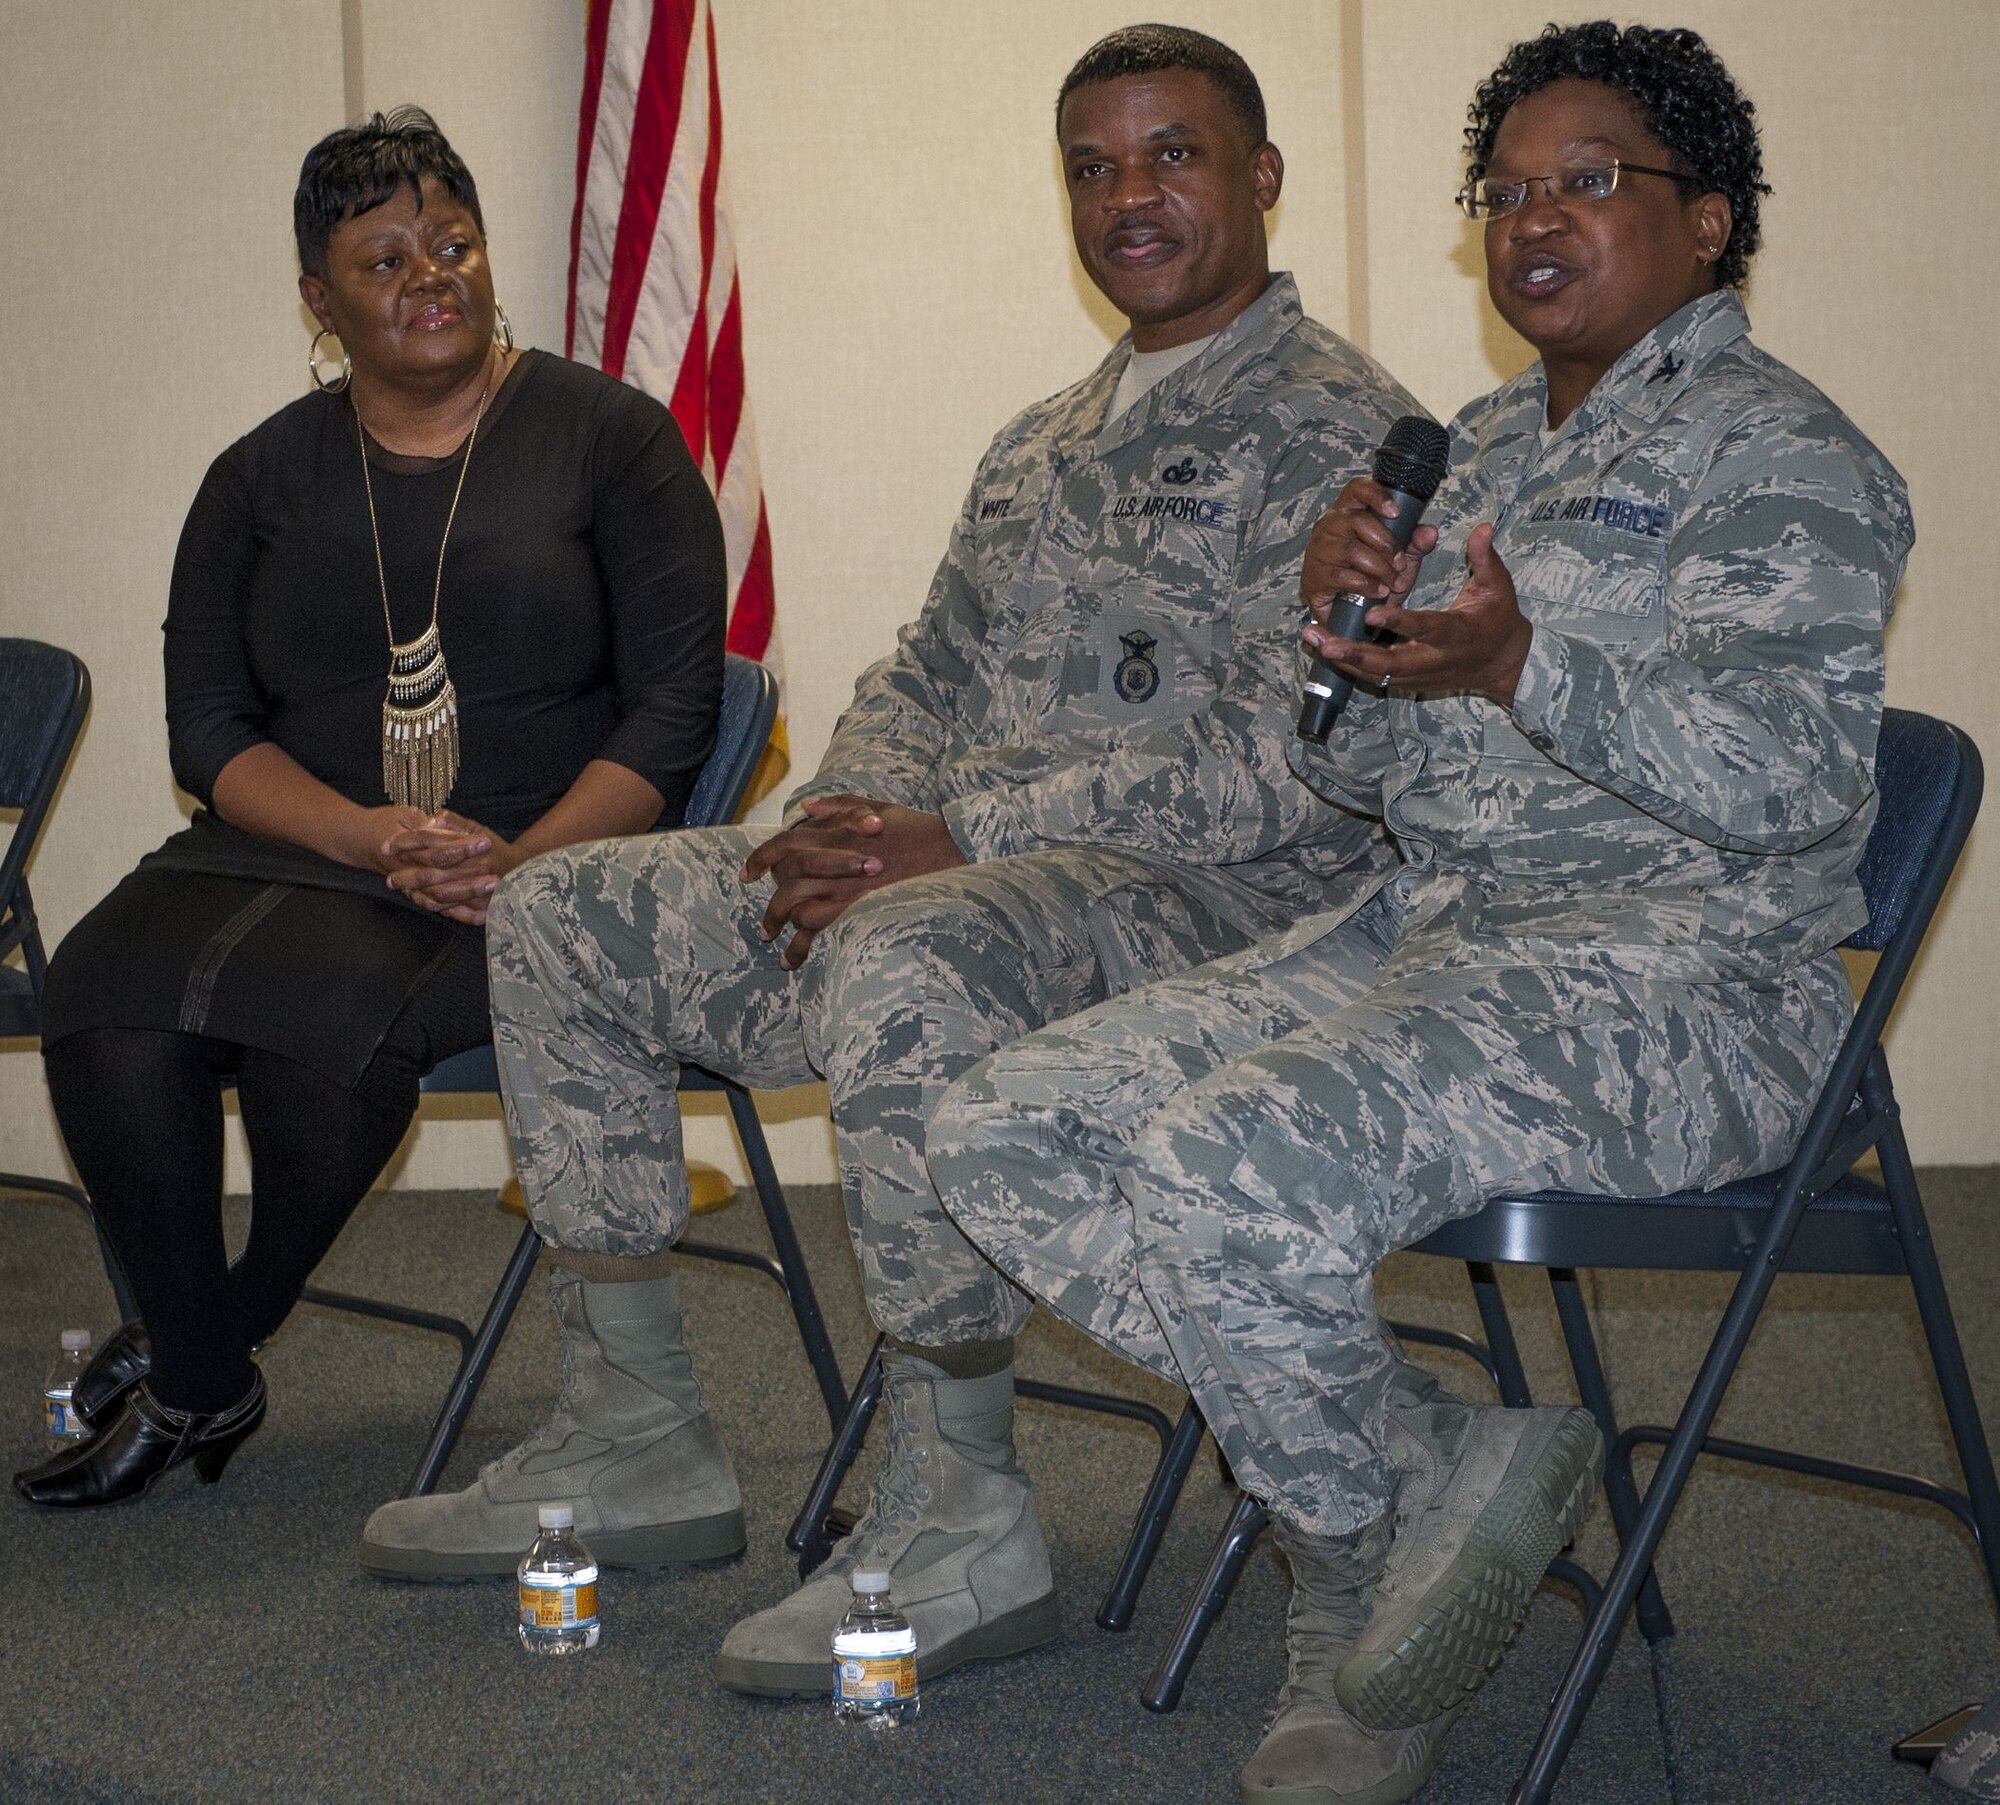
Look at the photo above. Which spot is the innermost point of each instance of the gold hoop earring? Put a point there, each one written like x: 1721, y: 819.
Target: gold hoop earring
x: 503, y: 333
x: 314, y: 366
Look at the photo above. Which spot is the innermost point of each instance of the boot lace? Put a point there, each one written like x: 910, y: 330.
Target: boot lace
x: 1333, y: 1588
x: 897, y: 1498
x: 549, y: 1435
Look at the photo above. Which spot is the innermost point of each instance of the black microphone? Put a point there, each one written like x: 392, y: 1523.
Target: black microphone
x: 1410, y: 465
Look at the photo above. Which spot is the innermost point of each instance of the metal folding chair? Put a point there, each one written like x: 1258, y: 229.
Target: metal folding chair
x: 786, y: 1267
x: 1817, y: 1215
x: 749, y: 708
x: 44, y: 696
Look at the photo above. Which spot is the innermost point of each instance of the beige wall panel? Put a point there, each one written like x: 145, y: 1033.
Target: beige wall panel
x: 1875, y: 281
x: 502, y: 78
x: 147, y: 318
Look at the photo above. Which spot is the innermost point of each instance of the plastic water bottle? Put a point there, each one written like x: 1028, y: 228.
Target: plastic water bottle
x: 558, y: 1587
x: 874, y: 1658
x: 65, y: 1427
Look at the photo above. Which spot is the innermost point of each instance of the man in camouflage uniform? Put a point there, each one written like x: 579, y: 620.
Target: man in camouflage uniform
x: 1605, y: 965
x: 1070, y: 778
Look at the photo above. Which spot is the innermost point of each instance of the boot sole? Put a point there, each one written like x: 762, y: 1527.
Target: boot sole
x: 1473, y: 1613
x: 1014, y: 1634
x: 1392, y: 1791
x: 703, y: 1541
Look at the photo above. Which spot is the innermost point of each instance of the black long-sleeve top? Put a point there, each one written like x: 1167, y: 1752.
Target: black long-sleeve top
x: 581, y: 613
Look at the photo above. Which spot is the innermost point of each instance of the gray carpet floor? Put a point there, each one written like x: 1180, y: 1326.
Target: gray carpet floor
x: 220, y: 1643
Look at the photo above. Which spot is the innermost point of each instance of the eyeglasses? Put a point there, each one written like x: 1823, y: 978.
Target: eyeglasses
x: 1485, y: 198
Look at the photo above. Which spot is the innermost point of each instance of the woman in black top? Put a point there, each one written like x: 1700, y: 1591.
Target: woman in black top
x: 315, y: 936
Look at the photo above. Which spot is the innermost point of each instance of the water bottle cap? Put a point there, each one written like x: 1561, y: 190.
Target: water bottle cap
x: 75, y: 1340
x: 556, y: 1516
x: 869, y: 1579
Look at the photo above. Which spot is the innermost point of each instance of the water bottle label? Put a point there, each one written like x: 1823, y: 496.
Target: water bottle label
x: 874, y: 1679
x: 557, y: 1606
x: 865, y: 1643
x: 62, y: 1420
x: 579, y: 1576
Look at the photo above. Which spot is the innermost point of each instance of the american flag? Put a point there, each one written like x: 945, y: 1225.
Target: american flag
x: 653, y: 298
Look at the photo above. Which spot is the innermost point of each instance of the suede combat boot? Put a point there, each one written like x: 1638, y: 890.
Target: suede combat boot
x: 1313, y: 1753
x: 952, y: 1521
x: 1480, y: 1514
x: 631, y: 1446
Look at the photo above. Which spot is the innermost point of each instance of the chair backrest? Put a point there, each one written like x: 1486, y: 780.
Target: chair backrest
x: 749, y: 711
x: 44, y: 695
x: 1930, y: 778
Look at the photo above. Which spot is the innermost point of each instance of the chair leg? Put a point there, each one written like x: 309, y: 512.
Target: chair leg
x: 1169, y: 1679
x: 1621, y: 1491
x: 1600, y: 1635
x: 1106, y: 1403
x: 47, y: 1187
x: 1449, y: 1339
x: 1961, y: 1406
x: 472, y: 1367
x: 1162, y: 1494
x: 807, y: 1536
x: 784, y: 1238
x: 431, y: 1322
x: 1508, y: 1373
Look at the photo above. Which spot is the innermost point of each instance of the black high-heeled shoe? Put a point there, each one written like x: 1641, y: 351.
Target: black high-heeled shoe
x: 137, y: 1446
x: 125, y: 1359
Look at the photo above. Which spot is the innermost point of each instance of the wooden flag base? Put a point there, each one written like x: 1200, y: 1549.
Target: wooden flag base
x: 708, y: 1191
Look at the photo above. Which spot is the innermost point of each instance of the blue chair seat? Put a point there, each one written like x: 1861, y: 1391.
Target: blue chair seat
x: 1849, y: 1229
x: 473, y: 1070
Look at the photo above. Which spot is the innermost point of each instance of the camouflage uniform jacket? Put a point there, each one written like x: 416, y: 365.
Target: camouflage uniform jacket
x: 1106, y: 657
x: 1708, y: 551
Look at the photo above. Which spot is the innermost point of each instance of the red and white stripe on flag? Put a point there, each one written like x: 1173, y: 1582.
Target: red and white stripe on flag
x: 653, y: 298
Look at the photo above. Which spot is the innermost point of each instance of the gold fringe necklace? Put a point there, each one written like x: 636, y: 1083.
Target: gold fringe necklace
x: 420, y: 712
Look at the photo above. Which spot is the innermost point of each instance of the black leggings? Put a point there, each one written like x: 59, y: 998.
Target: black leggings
x: 141, y: 1112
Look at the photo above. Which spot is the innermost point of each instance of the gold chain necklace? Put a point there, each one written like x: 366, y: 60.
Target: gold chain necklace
x: 420, y: 712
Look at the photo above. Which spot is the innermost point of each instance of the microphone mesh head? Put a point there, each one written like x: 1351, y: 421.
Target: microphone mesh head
x: 1413, y: 457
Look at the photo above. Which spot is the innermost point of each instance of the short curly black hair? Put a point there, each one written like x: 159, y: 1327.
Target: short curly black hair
x: 357, y: 168
x: 1690, y: 102
x: 1150, y: 49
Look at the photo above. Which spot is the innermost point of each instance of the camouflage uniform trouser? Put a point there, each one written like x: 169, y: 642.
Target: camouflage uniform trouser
x: 616, y: 962
x: 1203, y: 1175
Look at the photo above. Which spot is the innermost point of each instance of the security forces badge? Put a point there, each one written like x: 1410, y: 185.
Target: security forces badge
x: 1137, y: 678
